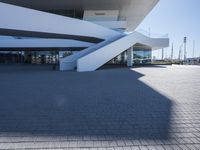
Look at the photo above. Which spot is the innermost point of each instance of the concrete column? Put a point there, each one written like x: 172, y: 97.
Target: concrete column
x: 124, y: 57
x: 130, y: 57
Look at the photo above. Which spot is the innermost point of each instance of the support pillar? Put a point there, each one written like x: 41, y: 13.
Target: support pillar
x: 130, y: 57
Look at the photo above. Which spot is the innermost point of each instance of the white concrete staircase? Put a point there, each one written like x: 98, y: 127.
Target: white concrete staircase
x: 96, y: 59
x: 70, y: 62
x: 97, y: 55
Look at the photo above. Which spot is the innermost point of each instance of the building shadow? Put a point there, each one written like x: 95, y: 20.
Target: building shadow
x: 110, y: 103
x: 26, y: 68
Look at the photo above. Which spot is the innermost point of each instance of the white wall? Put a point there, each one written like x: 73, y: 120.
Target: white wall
x: 40, y: 43
x: 19, y: 18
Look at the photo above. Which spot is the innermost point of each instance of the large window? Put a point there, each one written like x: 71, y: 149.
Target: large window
x: 42, y: 57
x: 142, y: 56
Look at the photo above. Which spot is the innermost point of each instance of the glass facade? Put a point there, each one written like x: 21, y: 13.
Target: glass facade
x: 11, y: 57
x: 120, y: 59
x: 29, y: 57
x: 50, y: 57
x: 140, y: 56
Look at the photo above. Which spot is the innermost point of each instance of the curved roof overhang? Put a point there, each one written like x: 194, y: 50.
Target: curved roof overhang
x: 134, y: 11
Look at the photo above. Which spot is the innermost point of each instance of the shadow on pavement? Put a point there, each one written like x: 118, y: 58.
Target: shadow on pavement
x: 110, y: 103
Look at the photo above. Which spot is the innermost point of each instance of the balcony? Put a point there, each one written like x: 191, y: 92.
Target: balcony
x: 153, y: 35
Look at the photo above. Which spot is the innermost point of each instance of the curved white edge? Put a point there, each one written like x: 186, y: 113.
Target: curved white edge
x: 41, y: 43
x: 25, y: 19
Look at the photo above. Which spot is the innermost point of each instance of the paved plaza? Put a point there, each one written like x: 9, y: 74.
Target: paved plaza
x: 144, y: 108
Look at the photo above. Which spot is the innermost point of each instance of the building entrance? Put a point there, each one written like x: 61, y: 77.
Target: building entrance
x: 41, y: 57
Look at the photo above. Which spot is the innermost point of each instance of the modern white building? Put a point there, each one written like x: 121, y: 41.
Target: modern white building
x: 80, y: 34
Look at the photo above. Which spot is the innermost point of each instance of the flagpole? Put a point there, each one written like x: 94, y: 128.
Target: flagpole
x: 193, y: 48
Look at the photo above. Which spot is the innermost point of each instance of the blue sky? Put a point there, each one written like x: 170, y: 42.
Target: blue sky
x: 178, y: 18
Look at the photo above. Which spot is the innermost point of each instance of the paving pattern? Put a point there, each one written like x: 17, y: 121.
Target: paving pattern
x: 149, y: 108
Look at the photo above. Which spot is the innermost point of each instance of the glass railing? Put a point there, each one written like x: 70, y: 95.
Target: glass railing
x: 152, y: 35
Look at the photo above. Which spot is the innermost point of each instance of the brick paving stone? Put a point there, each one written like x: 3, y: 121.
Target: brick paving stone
x: 143, y: 147
x: 136, y: 142
x: 151, y: 142
x: 128, y: 143
x: 110, y: 148
x: 112, y: 143
x: 101, y: 148
x: 64, y: 144
x: 167, y: 147
x: 89, y: 143
x: 73, y: 144
x: 197, y: 146
x: 119, y: 148
x: 135, y: 148
x: 151, y: 147
x: 121, y: 143
x: 97, y: 143
x: 183, y: 147
x: 127, y: 148
x: 93, y: 149
x: 144, y: 142
x: 141, y: 108
x: 194, y: 140
x: 159, y: 147
x: 191, y: 147
x: 175, y: 147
